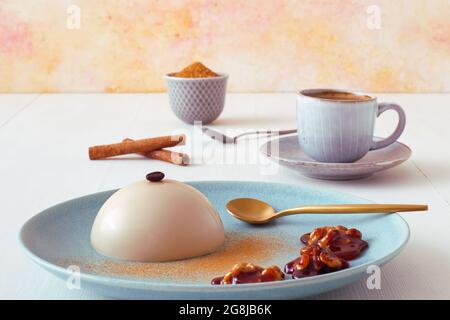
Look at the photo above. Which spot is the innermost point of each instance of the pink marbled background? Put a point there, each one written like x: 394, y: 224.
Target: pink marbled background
x: 265, y: 45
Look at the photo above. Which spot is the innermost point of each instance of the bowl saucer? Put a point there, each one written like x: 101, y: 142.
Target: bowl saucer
x: 287, y: 151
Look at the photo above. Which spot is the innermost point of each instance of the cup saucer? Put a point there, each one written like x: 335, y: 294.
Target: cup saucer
x: 287, y: 151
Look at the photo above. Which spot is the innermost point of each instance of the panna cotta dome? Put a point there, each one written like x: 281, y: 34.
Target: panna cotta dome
x: 152, y: 221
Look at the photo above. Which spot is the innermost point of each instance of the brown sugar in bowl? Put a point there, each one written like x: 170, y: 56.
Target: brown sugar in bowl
x: 197, y: 99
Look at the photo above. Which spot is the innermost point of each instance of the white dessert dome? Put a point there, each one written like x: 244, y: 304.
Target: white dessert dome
x: 158, y: 220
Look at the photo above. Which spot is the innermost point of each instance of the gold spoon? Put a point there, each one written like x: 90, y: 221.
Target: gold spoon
x: 258, y: 212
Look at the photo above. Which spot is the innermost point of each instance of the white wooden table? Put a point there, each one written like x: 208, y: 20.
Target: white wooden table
x: 43, y: 161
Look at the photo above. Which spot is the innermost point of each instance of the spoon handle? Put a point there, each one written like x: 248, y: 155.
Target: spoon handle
x: 266, y: 133
x: 354, y: 208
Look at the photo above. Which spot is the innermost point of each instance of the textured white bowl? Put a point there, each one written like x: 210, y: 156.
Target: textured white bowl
x: 197, y: 99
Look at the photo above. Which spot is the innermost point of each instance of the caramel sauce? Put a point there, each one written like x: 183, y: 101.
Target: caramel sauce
x: 249, y: 273
x: 343, y: 246
x: 243, y: 277
x: 316, y: 267
x: 327, y: 250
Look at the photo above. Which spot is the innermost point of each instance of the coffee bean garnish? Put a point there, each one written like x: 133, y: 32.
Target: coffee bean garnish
x: 155, y: 176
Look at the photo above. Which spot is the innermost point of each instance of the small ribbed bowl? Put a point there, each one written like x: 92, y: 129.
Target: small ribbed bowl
x: 197, y: 99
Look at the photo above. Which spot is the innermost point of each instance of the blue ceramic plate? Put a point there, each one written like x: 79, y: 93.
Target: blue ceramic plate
x: 59, y: 237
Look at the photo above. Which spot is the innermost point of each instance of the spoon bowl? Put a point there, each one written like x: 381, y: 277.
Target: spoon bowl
x: 258, y: 212
x: 251, y: 210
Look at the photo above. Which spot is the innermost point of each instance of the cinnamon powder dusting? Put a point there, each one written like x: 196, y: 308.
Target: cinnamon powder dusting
x: 256, y: 248
x: 195, y: 70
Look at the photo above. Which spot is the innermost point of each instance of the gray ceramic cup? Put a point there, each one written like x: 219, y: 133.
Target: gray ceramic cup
x: 336, y: 130
x: 197, y: 99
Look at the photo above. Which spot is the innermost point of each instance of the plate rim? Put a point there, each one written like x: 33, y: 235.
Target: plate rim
x: 139, y: 284
x: 333, y: 165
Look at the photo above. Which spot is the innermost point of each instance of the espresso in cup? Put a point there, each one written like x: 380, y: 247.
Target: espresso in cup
x: 337, y: 95
x: 337, y: 126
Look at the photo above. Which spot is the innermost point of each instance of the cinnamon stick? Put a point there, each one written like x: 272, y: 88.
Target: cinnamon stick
x: 136, y: 146
x: 177, y: 158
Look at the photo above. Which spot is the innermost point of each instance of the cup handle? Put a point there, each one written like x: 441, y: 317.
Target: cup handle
x: 382, y: 107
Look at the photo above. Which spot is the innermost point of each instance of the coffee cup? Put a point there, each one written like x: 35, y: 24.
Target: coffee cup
x: 338, y: 126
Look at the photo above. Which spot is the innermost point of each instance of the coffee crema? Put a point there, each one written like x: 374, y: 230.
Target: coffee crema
x: 336, y: 95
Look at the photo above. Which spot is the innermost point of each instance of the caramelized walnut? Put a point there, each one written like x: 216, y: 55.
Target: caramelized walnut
x: 249, y: 273
x: 344, y: 243
x: 313, y: 261
x: 327, y: 250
